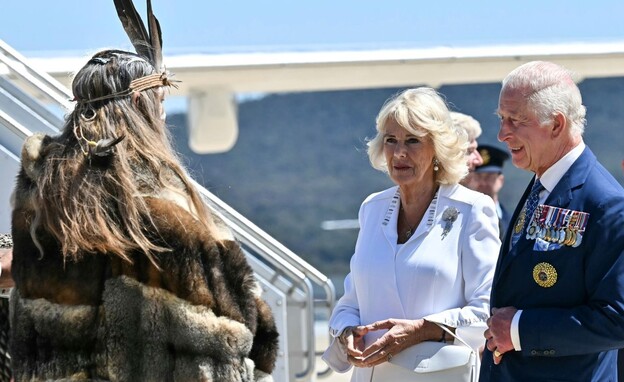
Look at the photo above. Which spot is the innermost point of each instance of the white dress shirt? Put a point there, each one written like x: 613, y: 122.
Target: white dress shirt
x: 441, y: 278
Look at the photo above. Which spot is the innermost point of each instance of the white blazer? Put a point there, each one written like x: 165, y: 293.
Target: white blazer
x: 442, y: 279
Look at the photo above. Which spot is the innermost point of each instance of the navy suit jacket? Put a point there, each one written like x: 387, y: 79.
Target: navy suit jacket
x: 570, y: 331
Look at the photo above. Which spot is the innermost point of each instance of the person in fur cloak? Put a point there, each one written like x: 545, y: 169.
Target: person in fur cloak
x: 121, y: 272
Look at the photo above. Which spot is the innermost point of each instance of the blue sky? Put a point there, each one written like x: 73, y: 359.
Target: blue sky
x: 79, y: 27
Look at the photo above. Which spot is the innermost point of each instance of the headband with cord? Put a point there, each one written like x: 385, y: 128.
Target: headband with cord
x: 148, y: 45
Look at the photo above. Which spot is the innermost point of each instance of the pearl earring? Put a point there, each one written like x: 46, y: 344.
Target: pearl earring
x: 436, y: 162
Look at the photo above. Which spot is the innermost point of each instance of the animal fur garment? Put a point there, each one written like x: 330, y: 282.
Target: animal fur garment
x: 195, y: 316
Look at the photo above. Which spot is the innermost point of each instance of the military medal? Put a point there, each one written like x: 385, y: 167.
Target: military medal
x: 563, y: 225
x: 545, y: 275
x: 578, y: 239
x: 534, y: 226
x: 531, y: 231
x: 542, y: 232
x: 547, y: 234
x: 570, y: 242
x: 568, y: 236
x: 548, y: 223
x: 562, y: 235
x: 520, y: 222
x: 582, y: 224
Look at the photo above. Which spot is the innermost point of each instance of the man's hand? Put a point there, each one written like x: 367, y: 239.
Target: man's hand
x: 498, y: 333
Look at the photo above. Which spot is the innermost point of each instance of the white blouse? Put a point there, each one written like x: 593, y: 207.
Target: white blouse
x: 443, y: 273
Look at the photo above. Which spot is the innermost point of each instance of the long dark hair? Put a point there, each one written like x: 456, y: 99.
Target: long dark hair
x: 93, y: 203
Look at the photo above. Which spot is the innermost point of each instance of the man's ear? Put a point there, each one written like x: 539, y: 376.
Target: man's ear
x: 560, y: 124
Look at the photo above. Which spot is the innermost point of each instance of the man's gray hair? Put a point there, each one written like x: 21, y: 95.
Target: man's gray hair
x: 549, y: 89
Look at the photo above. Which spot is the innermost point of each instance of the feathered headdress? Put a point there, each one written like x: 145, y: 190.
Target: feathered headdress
x: 148, y: 43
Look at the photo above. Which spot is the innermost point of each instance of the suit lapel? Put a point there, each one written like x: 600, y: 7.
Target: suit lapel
x: 505, y: 254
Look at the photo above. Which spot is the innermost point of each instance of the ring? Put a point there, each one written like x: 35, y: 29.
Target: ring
x: 389, y: 357
x: 497, y: 354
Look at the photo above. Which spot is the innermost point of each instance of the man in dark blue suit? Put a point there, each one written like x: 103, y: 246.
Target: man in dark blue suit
x: 488, y: 178
x: 558, y: 290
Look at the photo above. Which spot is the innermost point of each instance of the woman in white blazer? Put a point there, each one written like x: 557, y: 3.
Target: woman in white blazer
x: 426, y: 249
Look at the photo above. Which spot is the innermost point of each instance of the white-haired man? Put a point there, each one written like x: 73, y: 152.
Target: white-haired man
x: 558, y: 290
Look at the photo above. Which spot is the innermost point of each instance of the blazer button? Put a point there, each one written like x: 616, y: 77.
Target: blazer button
x: 533, y: 352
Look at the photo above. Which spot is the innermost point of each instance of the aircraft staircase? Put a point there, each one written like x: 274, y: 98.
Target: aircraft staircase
x: 32, y: 101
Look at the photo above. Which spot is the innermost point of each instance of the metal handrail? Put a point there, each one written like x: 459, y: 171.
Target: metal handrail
x: 14, y: 126
x: 52, y: 89
x: 279, y: 255
x: 274, y: 245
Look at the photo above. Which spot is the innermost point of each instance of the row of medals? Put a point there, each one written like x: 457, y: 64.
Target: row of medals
x: 555, y: 225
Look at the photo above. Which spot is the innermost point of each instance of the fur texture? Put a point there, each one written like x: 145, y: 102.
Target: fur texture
x: 99, y: 317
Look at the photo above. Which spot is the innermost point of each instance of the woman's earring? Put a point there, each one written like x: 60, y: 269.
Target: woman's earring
x: 436, y: 162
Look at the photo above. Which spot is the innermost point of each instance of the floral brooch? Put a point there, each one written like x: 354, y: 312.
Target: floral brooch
x: 449, y: 216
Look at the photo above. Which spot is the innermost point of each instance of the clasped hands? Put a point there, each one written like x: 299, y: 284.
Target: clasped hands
x: 400, y: 335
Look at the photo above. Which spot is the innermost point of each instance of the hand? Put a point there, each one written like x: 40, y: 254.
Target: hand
x: 498, y: 333
x: 352, y: 340
x: 400, y: 335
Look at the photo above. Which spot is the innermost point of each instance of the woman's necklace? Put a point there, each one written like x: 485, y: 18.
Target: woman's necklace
x: 410, y: 230
x: 421, y: 210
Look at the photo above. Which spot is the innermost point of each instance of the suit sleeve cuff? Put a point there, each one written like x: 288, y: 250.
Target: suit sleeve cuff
x: 514, y: 331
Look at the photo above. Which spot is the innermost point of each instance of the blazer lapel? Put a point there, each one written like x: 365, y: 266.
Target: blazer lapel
x: 506, y: 254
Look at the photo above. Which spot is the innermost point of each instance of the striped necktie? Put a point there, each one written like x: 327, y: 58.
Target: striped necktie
x: 527, y: 212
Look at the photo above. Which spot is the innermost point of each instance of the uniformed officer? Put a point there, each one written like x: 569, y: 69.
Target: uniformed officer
x: 488, y: 178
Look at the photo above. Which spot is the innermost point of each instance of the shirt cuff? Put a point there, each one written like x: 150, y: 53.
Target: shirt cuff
x: 514, y: 331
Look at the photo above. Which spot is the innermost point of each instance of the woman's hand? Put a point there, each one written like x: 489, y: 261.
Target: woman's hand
x: 352, y: 340
x: 401, y: 334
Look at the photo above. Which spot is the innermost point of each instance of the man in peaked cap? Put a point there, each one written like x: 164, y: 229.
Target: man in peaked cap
x: 488, y: 178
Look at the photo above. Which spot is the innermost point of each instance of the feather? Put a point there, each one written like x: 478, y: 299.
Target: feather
x: 155, y: 37
x: 148, y: 45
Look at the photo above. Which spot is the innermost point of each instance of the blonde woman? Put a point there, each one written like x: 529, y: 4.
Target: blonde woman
x: 426, y: 249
